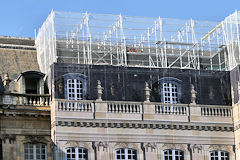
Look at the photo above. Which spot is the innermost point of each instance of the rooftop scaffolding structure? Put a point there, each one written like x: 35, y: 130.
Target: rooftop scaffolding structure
x: 97, y: 39
x: 230, y: 31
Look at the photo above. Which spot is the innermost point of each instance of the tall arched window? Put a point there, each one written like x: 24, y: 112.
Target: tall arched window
x: 170, y: 90
x: 74, y: 89
x: 218, y: 155
x: 35, y: 151
x: 76, y: 153
x: 173, y: 154
x: 126, y: 154
x: 75, y: 86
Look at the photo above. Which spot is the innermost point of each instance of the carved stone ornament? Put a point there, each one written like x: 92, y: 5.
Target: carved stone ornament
x: 174, y: 146
x: 147, y: 92
x: 193, y: 95
x: 227, y: 148
x: 35, y: 139
x: 6, y: 82
x: 11, y: 138
x: 72, y: 144
x: 197, y: 148
x: 102, y: 144
x: 77, y: 144
x: 126, y: 145
x: 99, y: 90
x: 152, y: 146
x: 122, y: 145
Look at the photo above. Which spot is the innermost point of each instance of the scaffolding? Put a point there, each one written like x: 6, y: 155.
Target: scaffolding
x: 102, y: 39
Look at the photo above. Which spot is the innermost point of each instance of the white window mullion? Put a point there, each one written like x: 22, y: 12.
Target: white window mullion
x: 34, y: 152
x: 75, y: 89
x: 126, y: 155
x: 76, y: 151
x: 170, y: 91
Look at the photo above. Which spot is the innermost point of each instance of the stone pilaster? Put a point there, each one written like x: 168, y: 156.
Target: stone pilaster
x: 102, y: 150
x: 150, y: 151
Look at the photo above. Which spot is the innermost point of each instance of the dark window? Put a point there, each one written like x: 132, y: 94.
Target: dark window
x: 31, y: 84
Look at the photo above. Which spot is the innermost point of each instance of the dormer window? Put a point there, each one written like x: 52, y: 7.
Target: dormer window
x: 31, y: 82
x: 75, y: 89
x: 170, y: 94
x: 170, y: 90
x: 75, y: 86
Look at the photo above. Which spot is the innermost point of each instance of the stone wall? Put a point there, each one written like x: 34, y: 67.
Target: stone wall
x: 20, y: 127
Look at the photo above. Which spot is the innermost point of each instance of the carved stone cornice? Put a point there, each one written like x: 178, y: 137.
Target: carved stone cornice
x: 177, y: 126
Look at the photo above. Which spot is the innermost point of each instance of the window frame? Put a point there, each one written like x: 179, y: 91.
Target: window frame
x: 126, y: 154
x: 174, y: 83
x: 173, y: 154
x: 76, y: 153
x: 219, y: 156
x: 75, y: 77
x: 34, y: 148
x: 76, y: 86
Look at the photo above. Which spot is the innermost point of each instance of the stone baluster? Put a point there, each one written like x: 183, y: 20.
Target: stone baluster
x: 34, y: 100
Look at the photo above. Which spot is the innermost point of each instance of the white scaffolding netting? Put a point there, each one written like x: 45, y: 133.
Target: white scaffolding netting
x: 231, y: 35
x: 86, y: 38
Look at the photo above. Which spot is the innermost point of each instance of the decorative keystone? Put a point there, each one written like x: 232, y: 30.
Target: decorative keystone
x: 99, y: 90
x: 147, y: 92
x: 193, y: 95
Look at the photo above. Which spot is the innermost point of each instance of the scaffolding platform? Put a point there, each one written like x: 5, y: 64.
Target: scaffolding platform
x: 101, y: 39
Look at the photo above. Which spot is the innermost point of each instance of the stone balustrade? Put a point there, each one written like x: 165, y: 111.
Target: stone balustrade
x: 175, y: 109
x: 72, y: 105
x: 121, y: 107
x: 15, y: 99
x: 219, y: 111
x: 123, y: 110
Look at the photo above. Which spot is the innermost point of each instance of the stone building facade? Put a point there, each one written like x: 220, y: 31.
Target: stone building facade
x: 25, y: 112
x: 78, y: 111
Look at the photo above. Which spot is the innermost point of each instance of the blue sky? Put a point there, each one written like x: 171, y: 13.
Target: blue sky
x: 20, y: 17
